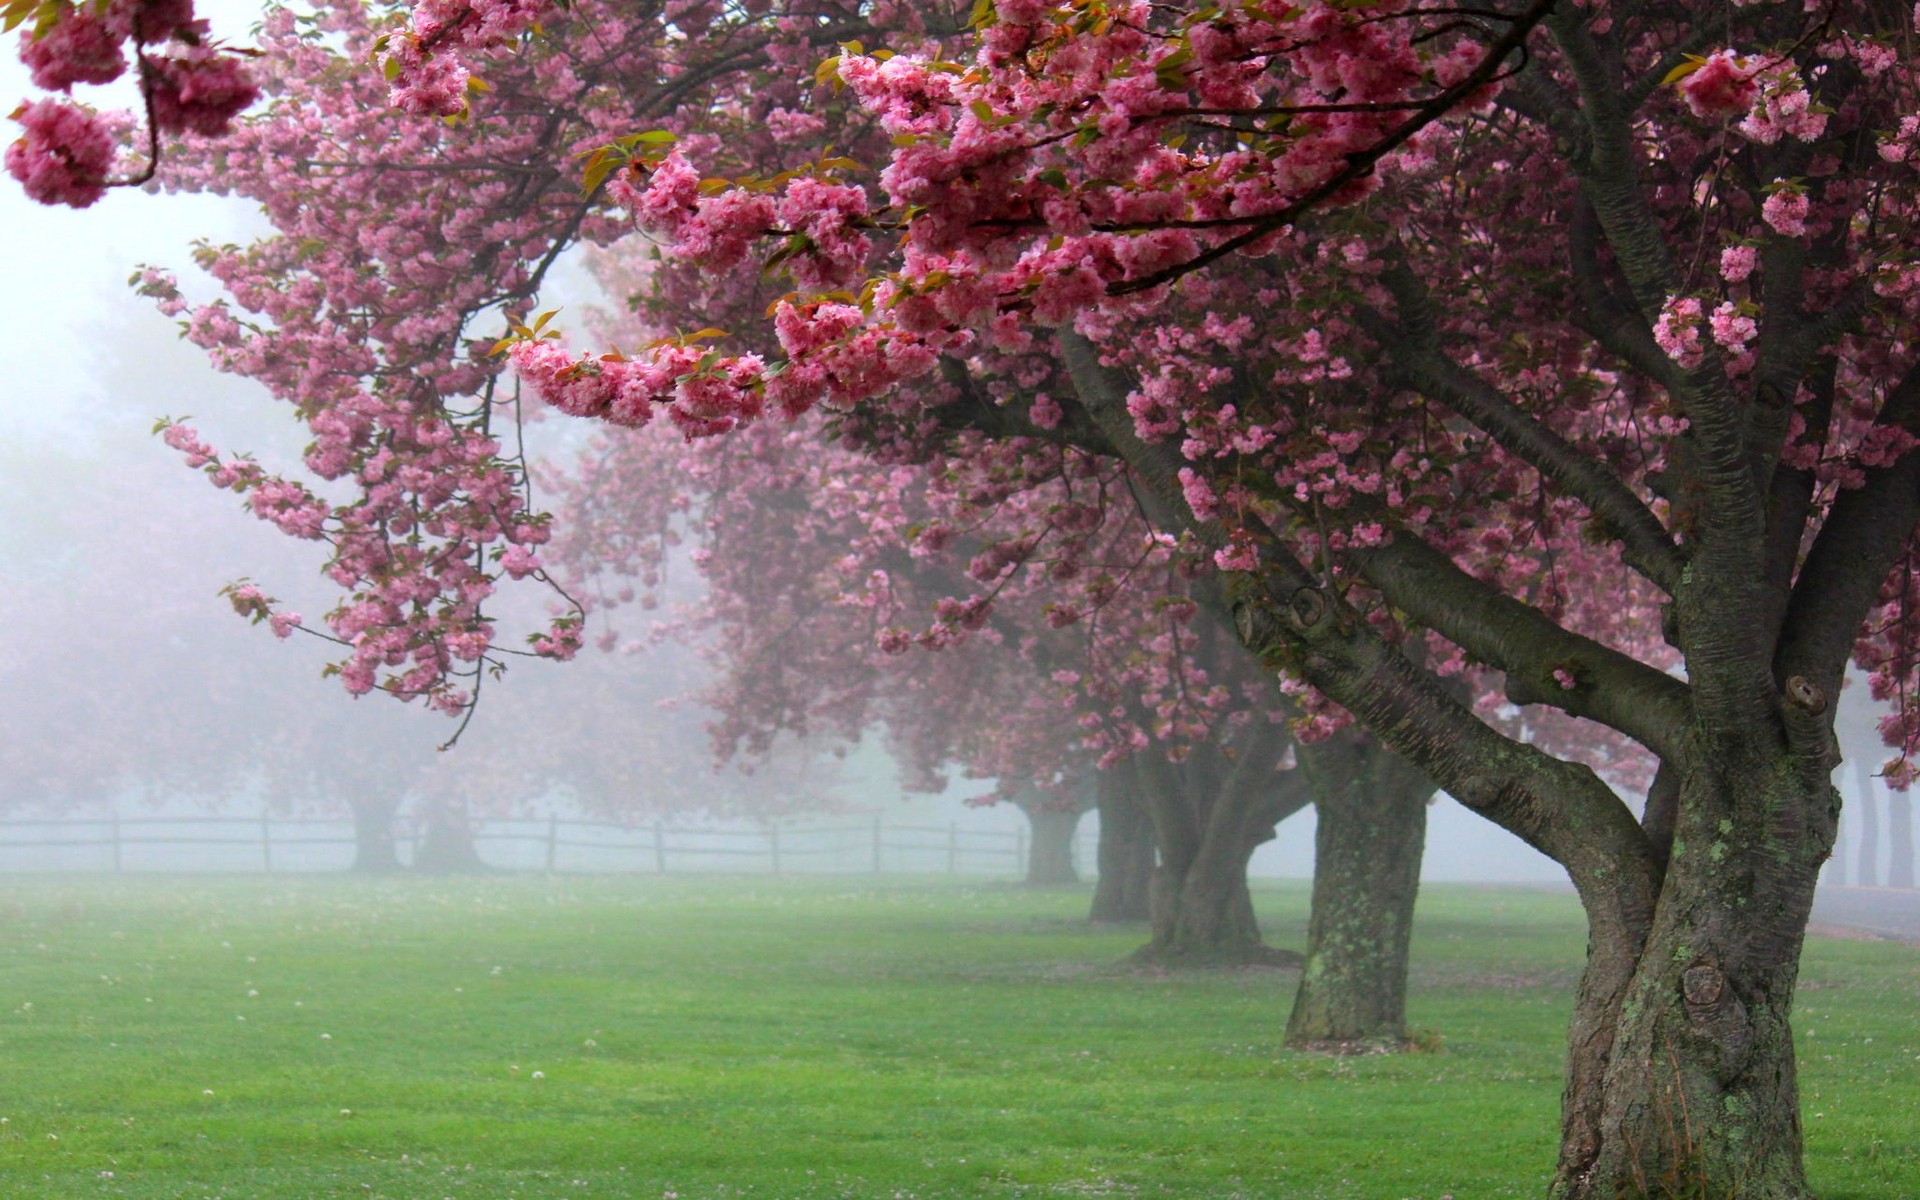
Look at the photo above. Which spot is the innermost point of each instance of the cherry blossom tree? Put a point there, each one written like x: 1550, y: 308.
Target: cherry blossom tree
x: 1418, y: 324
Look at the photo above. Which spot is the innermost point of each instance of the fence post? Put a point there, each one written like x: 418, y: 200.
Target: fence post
x: 266, y: 842
x: 953, y: 848
x: 876, y: 845
x: 659, y: 848
x: 115, y: 834
x: 553, y: 840
x: 773, y: 846
x: 1020, y: 851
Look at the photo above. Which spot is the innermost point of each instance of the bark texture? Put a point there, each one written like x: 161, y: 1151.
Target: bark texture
x: 1126, y: 849
x: 1372, y: 811
x: 1682, y: 1082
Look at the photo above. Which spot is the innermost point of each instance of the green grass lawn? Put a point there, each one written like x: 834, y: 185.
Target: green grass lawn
x: 578, y: 1038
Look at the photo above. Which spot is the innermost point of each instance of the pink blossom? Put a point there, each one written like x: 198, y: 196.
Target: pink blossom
x: 64, y: 155
x: 148, y: 21
x: 1786, y: 211
x: 1677, y: 330
x: 1737, y: 262
x: 519, y: 562
x: 1200, y: 495
x: 1722, y: 87
x: 200, y: 90
x: 667, y: 200
x: 426, y: 84
x: 79, y: 48
x: 1783, y: 107
x: 1237, y: 555
x: 1732, y: 330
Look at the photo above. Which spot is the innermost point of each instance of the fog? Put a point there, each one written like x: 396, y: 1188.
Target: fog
x: 129, y: 686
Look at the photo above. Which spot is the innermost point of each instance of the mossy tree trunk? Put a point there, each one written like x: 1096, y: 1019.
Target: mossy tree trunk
x: 1681, y: 1074
x: 1371, y: 806
x: 1126, y: 854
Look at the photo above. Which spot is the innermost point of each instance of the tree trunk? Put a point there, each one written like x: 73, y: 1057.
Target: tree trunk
x: 1899, y: 839
x: 373, y: 849
x: 1866, y: 871
x: 1681, y: 1082
x: 448, y: 847
x: 1050, y: 860
x: 1372, y: 810
x: 1126, y: 858
x: 1207, y: 823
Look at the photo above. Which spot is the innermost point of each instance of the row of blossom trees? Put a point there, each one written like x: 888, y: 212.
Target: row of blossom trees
x: 1494, y: 374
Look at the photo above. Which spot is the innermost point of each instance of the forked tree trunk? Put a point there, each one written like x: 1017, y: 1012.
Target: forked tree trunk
x: 1372, y: 812
x: 1899, y: 839
x: 373, y: 848
x: 1207, y: 823
x: 447, y: 847
x: 1202, y: 912
x: 1680, y: 1076
x: 1050, y: 859
x: 1126, y: 849
x: 1866, y: 871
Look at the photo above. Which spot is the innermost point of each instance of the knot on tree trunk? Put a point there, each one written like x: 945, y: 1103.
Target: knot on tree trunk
x: 1702, y: 984
x: 1309, y: 606
x: 1717, y: 1016
x: 1805, y: 695
x: 1254, y: 624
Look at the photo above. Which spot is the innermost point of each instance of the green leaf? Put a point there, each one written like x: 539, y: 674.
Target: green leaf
x: 1692, y: 63
x: 1170, y: 72
x: 601, y: 164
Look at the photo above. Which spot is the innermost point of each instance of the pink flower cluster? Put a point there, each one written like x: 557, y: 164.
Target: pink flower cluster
x: 1722, y: 87
x: 65, y: 155
x: 429, y: 65
x: 1677, y: 330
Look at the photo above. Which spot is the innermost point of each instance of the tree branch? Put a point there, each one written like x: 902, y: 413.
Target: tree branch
x: 1414, y: 348
x: 1865, y: 532
x: 1713, y: 602
x: 1615, y: 689
x: 1562, y: 809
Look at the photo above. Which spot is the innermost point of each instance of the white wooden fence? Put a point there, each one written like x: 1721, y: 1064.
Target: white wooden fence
x: 113, y: 843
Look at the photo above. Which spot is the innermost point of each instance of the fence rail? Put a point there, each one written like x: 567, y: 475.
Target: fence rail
x: 553, y: 844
